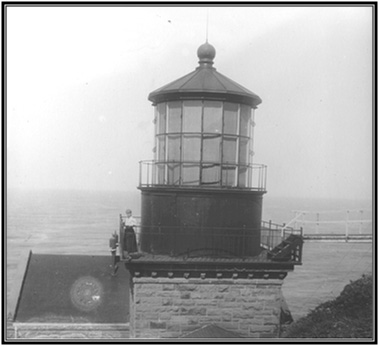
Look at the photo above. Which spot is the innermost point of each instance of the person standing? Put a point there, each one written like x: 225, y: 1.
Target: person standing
x: 130, y: 243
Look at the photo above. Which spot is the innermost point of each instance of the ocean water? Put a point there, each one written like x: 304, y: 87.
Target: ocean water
x: 81, y: 222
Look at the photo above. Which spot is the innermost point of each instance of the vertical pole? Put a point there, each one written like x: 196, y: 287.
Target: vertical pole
x: 147, y: 174
x: 317, y: 224
x: 361, y: 221
x: 270, y: 236
x: 347, y: 217
x: 295, y: 219
x: 303, y: 220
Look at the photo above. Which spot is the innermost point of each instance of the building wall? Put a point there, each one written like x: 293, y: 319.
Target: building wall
x: 165, y: 308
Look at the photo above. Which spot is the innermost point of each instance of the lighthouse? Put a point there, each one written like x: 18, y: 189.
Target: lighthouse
x: 206, y: 257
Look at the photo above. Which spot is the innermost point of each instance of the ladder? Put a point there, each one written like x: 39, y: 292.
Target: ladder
x: 289, y: 249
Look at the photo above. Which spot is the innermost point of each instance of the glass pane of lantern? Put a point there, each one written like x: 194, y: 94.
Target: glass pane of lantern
x: 211, y: 174
x: 211, y: 149
x: 245, y: 116
x: 161, y: 114
x: 190, y: 174
x: 192, y: 116
x: 228, y: 176
x: 160, y: 172
x: 174, y: 120
x: 229, y: 149
x: 191, y: 148
x: 230, y: 118
x: 243, y: 150
x: 161, y: 148
x: 243, y: 176
x: 173, y: 174
x: 174, y: 143
x: 212, y: 117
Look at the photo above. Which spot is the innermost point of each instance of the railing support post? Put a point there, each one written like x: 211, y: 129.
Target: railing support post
x: 317, y: 224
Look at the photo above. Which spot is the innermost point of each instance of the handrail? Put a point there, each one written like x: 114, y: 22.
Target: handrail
x: 319, y: 221
x: 157, y: 173
x: 271, y: 235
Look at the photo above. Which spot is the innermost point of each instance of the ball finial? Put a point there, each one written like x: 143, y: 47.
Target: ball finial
x: 206, y: 54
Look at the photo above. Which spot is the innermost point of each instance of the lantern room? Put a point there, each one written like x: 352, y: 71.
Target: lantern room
x: 204, y: 126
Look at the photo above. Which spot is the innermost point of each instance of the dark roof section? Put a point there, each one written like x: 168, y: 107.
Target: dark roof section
x: 73, y: 289
x: 205, y: 83
x: 209, y: 332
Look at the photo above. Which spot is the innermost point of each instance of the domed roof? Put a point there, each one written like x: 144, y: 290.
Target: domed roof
x: 205, y: 83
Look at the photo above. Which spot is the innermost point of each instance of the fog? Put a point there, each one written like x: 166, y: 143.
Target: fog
x: 78, y: 78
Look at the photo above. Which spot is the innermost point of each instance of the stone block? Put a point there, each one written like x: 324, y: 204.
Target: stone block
x: 219, y: 296
x: 173, y: 327
x: 223, y: 288
x: 193, y: 320
x: 187, y: 287
x: 193, y: 311
x: 230, y: 304
x: 262, y: 328
x: 141, y: 324
x: 256, y: 306
x: 181, y: 320
x: 216, y: 312
x: 168, y: 294
x: 185, y: 295
x: 226, y: 316
x: 170, y: 308
x: 167, y: 301
x: 168, y: 286
x: 208, y: 302
x: 210, y: 320
x: 242, y: 314
x: 157, y: 325
x: 271, y: 320
x: 230, y: 297
x: 196, y: 295
x: 185, y: 302
x: 150, y: 315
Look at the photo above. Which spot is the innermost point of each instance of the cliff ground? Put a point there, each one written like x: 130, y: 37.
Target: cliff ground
x: 350, y: 315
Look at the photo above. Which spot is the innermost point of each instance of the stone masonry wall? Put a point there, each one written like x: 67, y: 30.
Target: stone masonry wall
x: 165, y: 308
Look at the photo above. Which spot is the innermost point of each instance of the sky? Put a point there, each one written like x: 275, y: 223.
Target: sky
x: 78, y: 78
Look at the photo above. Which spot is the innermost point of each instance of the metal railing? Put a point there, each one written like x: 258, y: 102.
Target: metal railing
x: 346, y: 223
x: 190, y: 174
x: 208, y: 241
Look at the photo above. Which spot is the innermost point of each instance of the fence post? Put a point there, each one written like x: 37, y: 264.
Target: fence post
x: 317, y: 224
x: 269, y: 236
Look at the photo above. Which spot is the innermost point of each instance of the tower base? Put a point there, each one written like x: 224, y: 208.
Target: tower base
x: 173, y: 307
